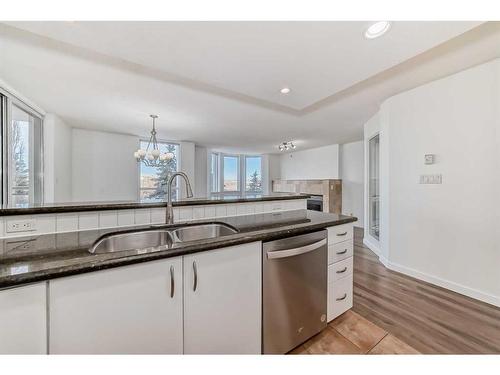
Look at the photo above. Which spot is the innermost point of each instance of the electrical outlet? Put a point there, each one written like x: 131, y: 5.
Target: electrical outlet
x: 14, y: 226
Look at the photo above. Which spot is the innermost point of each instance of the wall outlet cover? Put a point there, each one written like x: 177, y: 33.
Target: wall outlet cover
x: 14, y: 226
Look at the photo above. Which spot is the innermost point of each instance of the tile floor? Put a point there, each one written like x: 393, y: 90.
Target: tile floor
x: 350, y: 333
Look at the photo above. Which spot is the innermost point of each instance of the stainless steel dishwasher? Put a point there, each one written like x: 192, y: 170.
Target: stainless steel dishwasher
x: 294, y: 282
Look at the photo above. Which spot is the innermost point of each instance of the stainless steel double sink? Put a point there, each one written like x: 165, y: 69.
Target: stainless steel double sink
x: 160, y: 238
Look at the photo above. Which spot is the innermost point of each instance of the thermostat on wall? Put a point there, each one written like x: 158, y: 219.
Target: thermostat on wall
x: 429, y: 159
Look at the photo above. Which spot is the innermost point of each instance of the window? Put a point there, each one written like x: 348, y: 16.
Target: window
x: 214, y: 173
x: 234, y: 174
x: 153, y: 180
x: 23, y: 155
x: 231, y: 173
x: 253, y: 174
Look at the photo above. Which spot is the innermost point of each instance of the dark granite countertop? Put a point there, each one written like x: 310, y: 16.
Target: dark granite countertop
x: 49, y: 208
x: 44, y: 257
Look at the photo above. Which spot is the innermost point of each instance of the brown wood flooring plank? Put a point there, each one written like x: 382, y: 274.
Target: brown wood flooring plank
x: 428, y: 318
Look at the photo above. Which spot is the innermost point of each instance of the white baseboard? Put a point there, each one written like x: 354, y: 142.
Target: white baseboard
x: 371, y: 245
x: 447, y: 284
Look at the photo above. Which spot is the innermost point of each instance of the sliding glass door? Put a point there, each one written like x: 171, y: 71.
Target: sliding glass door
x: 374, y: 186
x: 22, y: 174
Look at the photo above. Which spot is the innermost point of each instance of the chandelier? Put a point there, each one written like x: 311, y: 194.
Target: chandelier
x: 285, y: 146
x: 151, y: 156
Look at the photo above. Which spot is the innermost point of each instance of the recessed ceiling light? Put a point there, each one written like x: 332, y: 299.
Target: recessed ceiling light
x: 285, y: 90
x: 377, y: 29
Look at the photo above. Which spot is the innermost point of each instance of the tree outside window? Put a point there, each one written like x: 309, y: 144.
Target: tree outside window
x: 153, y: 180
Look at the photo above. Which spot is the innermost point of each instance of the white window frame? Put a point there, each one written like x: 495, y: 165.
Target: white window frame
x: 241, y: 173
x: 221, y: 174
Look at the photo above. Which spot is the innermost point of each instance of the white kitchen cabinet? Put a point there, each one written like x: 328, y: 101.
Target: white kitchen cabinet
x: 124, y: 310
x: 340, y: 270
x: 222, y: 301
x: 23, y: 320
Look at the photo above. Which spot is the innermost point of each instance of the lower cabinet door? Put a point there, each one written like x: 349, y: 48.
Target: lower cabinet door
x: 23, y: 320
x: 125, y: 310
x: 222, y: 301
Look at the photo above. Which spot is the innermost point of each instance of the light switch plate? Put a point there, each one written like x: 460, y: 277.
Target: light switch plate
x: 431, y: 179
x: 429, y: 159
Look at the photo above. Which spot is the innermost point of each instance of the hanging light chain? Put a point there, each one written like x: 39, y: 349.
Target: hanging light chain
x: 153, y: 158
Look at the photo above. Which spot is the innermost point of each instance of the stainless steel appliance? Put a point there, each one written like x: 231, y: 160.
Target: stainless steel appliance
x: 294, y: 282
x: 315, y: 203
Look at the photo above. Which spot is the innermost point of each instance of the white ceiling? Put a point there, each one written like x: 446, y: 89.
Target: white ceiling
x: 217, y: 83
x: 314, y: 59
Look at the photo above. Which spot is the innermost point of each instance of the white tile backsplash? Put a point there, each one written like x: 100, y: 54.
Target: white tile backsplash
x: 231, y: 209
x: 45, y: 223
x: 66, y: 222
x: 108, y: 219
x: 221, y: 210
x: 69, y: 222
x: 241, y: 209
x: 158, y: 215
x: 142, y: 216
x: 126, y: 217
x: 88, y: 220
x: 198, y: 212
x: 209, y: 212
x: 258, y: 207
x: 185, y: 213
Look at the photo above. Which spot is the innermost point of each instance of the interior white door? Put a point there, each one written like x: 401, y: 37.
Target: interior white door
x: 222, y: 301
x: 126, y: 310
x: 23, y: 320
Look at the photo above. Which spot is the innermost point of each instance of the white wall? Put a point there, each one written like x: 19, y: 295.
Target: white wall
x: 352, y: 175
x: 201, y: 171
x: 271, y: 170
x: 312, y: 164
x: 447, y: 234
x: 103, y: 166
x: 187, y: 165
x: 57, y: 161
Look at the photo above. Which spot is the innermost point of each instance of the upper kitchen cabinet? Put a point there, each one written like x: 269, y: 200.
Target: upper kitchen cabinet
x: 23, y: 320
x: 130, y: 310
x: 222, y: 301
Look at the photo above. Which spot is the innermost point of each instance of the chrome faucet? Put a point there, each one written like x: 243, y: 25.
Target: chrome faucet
x: 189, y: 193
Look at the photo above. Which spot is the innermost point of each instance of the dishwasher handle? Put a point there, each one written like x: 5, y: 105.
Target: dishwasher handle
x: 296, y: 251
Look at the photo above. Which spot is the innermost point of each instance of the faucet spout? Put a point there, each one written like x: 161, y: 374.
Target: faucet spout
x: 189, y: 193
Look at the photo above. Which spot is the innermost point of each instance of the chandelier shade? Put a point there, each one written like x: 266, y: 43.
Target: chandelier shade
x: 151, y: 156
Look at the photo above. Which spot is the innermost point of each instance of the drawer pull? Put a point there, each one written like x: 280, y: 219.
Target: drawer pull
x: 341, y: 252
x: 342, y: 271
x: 341, y: 298
x: 341, y: 234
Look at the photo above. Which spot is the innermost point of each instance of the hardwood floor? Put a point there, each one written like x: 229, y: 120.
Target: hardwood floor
x: 350, y: 333
x: 426, y: 317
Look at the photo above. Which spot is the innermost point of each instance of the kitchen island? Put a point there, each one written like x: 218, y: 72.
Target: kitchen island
x: 200, y: 296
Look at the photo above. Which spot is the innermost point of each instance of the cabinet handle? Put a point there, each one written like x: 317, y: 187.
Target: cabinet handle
x: 172, y: 282
x: 341, y: 234
x: 341, y: 298
x: 195, y: 281
x: 342, y: 252
x: 345, y: 269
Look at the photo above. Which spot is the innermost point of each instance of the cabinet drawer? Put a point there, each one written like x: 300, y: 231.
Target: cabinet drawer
x: 340, y: 269
x: 340, y: 233
x: 339, y: 297
x: 340, y: 251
